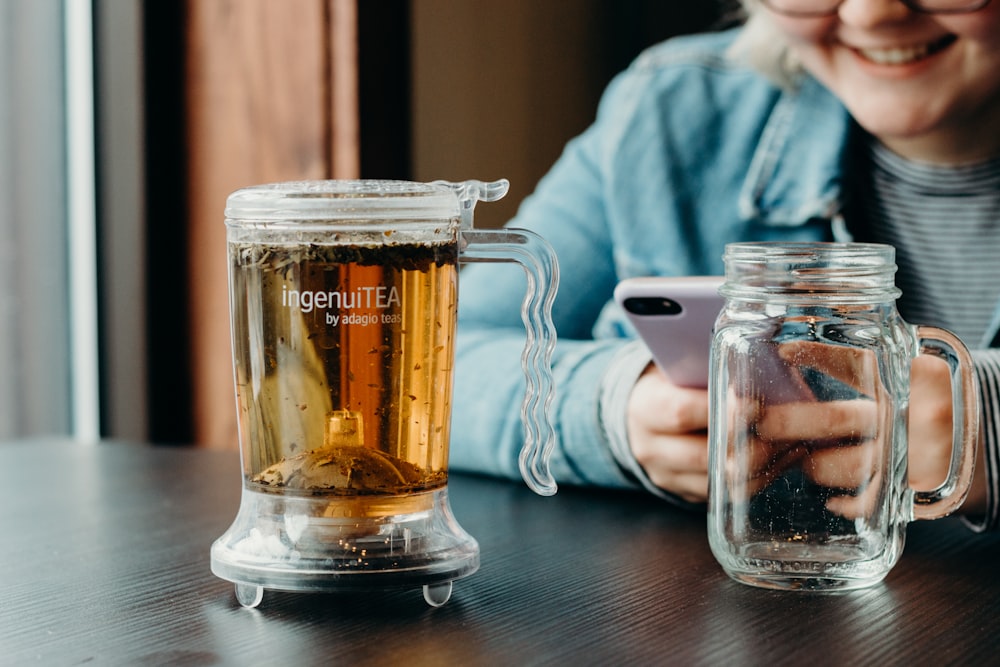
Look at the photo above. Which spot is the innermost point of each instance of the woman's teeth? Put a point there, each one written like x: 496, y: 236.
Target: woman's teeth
x: 905, y: 55
x: 895, y: 56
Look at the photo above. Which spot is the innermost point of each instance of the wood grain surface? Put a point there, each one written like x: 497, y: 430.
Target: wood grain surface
x: 104, y: 561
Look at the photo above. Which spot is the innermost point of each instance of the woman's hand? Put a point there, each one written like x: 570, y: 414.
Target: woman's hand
x: 668, y: 434
x: 930, y: 422
x: 667, y: 429
x: 845, y: 445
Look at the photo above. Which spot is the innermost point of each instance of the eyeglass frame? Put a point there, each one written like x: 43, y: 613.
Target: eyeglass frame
x: 912, y: 4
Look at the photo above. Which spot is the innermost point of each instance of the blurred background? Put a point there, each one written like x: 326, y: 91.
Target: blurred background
x: 125, y: 124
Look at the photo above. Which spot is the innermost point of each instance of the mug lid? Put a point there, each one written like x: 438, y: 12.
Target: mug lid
x: 343, y: 200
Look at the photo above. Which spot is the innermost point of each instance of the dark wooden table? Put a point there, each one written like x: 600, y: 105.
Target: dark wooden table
x: 104, y: 561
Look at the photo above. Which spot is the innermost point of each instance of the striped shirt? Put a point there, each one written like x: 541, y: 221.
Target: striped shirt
x: 945, y: 225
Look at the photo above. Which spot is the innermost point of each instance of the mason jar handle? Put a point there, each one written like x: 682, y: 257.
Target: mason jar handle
x: 946, y: 498
x: 538, y: 259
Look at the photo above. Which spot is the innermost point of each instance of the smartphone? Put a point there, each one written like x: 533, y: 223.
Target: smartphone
x: 675, y: 318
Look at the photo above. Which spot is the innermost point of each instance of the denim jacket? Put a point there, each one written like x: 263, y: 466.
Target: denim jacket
x: 690, y: 150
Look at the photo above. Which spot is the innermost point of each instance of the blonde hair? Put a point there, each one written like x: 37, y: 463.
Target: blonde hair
x: 764, y: 48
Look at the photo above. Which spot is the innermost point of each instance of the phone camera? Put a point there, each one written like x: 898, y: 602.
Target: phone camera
x: 652, y: 305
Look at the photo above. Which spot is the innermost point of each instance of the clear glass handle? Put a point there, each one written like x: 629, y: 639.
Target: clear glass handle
x: 965, y: 410
x: 538, y: 259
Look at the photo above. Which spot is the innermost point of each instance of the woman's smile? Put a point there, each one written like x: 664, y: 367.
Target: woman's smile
x: 927, y: 85
x: 904, y: 55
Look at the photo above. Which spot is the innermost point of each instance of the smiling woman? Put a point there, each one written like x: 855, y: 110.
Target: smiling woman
x: 922, y: 75
x: 846, y: 120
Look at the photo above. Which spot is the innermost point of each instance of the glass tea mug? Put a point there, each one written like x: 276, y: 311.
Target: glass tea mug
x: 343, y: 300
x: 809, y: 399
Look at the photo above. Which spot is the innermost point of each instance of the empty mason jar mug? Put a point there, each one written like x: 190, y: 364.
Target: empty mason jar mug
x: 810, y: 396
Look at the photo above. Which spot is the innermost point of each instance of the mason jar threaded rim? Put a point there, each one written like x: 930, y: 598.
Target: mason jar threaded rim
x: 845, y: 272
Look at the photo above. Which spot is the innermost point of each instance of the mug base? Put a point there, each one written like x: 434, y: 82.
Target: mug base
x: 803, y: 583
x: 810, y: 567
x: 295, y: 543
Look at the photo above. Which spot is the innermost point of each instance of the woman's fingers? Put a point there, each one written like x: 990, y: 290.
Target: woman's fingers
x: 816, y: 423
x: 657, y: 406
x: 851, y: 467
x: 835, y: 444
x: 677, y: 463
x: 667, y: 430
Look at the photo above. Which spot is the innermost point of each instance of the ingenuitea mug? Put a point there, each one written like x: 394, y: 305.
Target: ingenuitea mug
x: 344, y: 298
x: 810, y: 395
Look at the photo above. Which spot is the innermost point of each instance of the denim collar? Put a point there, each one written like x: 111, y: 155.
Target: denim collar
x: 796, y: 172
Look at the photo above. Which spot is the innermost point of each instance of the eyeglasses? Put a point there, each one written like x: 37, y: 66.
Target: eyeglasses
x: 814, y: 8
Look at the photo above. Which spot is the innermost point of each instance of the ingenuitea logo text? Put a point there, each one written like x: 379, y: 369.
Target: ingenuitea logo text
x: 362, y: 297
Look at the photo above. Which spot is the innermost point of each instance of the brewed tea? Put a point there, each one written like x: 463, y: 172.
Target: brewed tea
x: 344, y: 381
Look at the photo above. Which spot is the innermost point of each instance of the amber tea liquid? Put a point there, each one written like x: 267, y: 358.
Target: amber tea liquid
x: 343, y: 361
